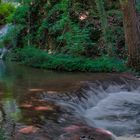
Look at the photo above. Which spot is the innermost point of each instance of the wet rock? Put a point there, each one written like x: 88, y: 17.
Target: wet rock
x: 83, y: 132
x: 28, y: 130
x: 29, y: 133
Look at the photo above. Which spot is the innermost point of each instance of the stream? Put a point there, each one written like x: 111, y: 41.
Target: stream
x: 45, y: 105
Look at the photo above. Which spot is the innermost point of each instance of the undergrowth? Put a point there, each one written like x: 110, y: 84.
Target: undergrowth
x: 3, y: 135
x: 41, y: 59
x: 6, y: 10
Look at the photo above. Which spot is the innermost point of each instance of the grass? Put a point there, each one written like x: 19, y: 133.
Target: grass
x: 40, y: 59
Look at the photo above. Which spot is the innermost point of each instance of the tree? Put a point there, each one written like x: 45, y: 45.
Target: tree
x: 104, y: 25
x: 132, y: 31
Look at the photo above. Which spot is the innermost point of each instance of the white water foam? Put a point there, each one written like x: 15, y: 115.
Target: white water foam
x: 116, y: 108
x: 118, y: 112
x: 4, y: 30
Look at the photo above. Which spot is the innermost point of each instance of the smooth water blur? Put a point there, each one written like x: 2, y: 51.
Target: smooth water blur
x: 21, y: 88
x: 115, y: 107
x: 4, y: 30
x: 53, y: 100
x: 118, y: 113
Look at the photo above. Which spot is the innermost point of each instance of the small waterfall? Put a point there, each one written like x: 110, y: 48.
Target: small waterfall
x: 105, y: 104
x: 3, y: 32
x: 118, y: 113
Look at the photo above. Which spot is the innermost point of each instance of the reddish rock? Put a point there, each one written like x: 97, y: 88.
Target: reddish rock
x: 83, y: 132
x: 28, y: 130
x: 43, y: 108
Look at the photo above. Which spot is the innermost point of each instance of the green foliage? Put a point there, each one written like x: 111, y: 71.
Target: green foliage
x: 76, y: 40
x: 68, y: 35
x: 138, y: 5
x: 40, y: 59
x: 2, y: 134
x: 6, y: 10
x: 19, y: 17
x: 57, y: 27
x: 104, y: 25
x: 117, y: 14
x: 116, y: 33
x: 10, y: 38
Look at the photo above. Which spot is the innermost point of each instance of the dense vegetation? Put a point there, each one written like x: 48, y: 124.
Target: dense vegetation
x: 6, y: 10
x: 72, y: 35
x: 38, y: 58
x: 68, y: 27
x: 68, y: 35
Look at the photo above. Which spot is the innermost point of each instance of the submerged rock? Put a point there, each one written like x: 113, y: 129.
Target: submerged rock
x: 83, y: 132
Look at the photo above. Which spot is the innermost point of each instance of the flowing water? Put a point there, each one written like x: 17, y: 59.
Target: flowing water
x: 114, y: 107
x: 4, y: 30
x: 45, y: 105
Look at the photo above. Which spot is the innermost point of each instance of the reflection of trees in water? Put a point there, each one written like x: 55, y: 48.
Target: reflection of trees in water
x: 2, y: 111
x: 2, y: 69
x: 8, y: 108
x: 9, y: 115
x: 2, y: 116
x: 36, y: 111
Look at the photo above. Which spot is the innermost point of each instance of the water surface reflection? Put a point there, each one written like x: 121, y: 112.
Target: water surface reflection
x: 20, y: 91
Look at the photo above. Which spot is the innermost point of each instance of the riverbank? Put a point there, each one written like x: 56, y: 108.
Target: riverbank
x: 41, y: 59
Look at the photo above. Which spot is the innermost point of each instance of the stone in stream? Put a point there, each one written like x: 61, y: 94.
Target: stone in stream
x: 48, y: 119
x: 81, y: 132
x: 30, y: 133
x: 69, y: 132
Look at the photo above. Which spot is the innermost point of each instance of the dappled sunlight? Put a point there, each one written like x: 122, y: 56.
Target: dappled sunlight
x: 83, y: 16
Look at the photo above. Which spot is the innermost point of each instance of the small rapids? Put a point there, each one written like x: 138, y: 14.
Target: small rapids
x: 60, y: 106
x: 118, y: 113
x: 105, y: 104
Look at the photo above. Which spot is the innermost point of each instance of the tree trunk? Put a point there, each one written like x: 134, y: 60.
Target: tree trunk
x: 132, y: 32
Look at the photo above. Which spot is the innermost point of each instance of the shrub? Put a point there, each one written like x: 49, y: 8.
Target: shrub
x: 41, y: 59
x: 6, y: 9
